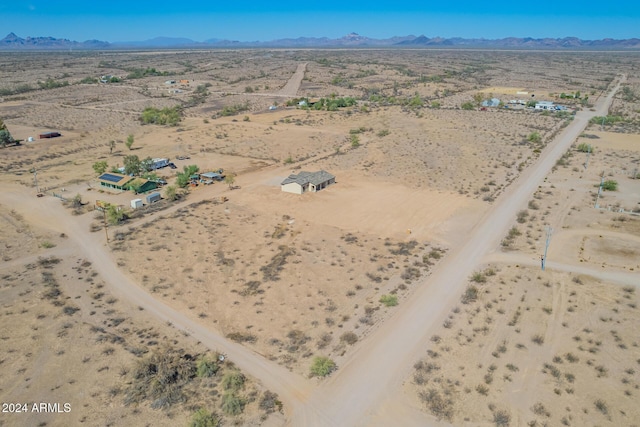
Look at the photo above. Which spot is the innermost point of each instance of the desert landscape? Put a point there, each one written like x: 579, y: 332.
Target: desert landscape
x: 410, y: 292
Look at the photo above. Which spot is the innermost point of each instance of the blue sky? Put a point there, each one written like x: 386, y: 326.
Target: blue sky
x: 268, y: 20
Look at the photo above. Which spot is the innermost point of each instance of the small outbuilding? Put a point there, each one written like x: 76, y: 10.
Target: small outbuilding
x: 153, y: 197
x: 136, y: 203
x: 493, y: 102
x: 307, y: 181
x: 214, y: 176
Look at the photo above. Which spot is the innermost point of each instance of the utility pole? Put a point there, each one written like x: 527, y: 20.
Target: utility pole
x: 599, y: 191
x: 35, y: 180
x: 586, y: 163
x: 546, y: 247
x: 104, y: 218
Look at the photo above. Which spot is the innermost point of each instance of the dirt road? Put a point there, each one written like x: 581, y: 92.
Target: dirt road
x: 292, y: 86
x: 375, y: 370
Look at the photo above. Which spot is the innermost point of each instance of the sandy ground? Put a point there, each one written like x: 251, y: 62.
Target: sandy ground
x: 68, y: 340
x: 290, y: 276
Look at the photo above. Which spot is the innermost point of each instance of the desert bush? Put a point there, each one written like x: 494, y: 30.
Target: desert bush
x: 389, y: 300
x: 232, y: 404
x: 539, y: 409
x: 242, y: 337
x: 470, y: 295
x: 478, y: 277
x: 440, y: 406
x: 207, y: 367
x: 468, y: 106
x: 233, y: 381
x: 270, y: 271
x: 349, y: 338
x: 501, y: 418
x: 610, y: 185
x: 584, y: 148
x: 522, y: 216
x: 538, y: 339
x: 270, y: 402
x: 601, y: 406
x: 534, y: 137
x: 160, y: 378
x: 322, y: 366
x: 482, y: 389
x: 203, y: 418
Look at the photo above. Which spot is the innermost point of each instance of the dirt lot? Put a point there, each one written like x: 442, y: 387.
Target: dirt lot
x: 68, y: 341
x: 294, y: 277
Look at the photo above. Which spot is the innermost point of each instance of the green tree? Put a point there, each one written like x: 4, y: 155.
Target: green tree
x: 112, y: 145
x: 5, y: 138
x: 230, y: 179
x: 129, y: 142
x: 477, y: 98
x: 132, y: 165
x: 203, y: 418
x: 171, y: 193
x: 183, y: 178
x: 166, y: 116
x: 114, y: 214
x: 145, y: 165
x: 100, y: 167
x: 76, y: 202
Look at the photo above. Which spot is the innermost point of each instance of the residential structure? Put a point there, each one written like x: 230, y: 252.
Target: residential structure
x: 307, y: 181
x: 545, y: 105
x: 122, y: 182
x: 114, y: 180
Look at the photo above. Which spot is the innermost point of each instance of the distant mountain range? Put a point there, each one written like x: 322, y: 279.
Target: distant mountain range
x: 13, y: 42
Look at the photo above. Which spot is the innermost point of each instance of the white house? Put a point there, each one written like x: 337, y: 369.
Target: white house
x: 545, y: 105
x: 307, y: 181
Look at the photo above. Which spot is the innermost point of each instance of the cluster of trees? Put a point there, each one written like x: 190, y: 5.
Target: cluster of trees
x: 132, y: 166
x: 52, y: 84
x: 606, y: 120
x: 166, y: 116
x: 184, y: 177
x: 232, y: 110
x: 138, y: 73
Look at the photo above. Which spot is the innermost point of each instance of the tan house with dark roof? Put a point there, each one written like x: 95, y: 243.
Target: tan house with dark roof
x: 307, y: 181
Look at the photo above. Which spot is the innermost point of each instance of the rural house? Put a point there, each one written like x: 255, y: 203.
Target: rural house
x: 114, y: 180
x: 121, y: 182
x: 545, y: 105
x: 307, y: 181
